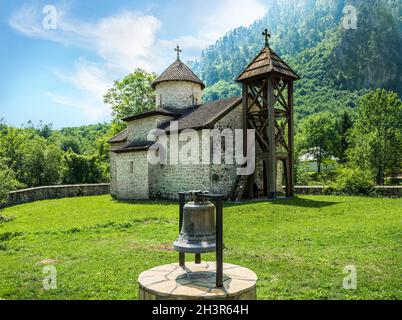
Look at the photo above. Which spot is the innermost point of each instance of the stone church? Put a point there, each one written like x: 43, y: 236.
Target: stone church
x: 178, y: 94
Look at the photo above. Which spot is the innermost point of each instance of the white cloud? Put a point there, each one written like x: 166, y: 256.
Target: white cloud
x: 87, y: 76
x: 92, y: 110
x: 125, y: 41
x: 128, y: 39
x: 60, y: 99
x: 229, y: 14
x: 215, y: 19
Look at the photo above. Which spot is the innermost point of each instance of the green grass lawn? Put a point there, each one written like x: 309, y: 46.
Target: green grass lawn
x: 298, y: 248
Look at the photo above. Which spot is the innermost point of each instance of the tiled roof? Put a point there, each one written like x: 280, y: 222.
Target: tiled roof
x: 198, y: 118
x: 207, y: 114
x: 135, y: 146
x: 120, y: 137
x: 178, y: 71
x: 157, y: 112
x: 267, y: 61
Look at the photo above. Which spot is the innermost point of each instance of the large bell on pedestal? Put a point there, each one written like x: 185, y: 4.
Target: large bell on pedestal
x: 198, y: 233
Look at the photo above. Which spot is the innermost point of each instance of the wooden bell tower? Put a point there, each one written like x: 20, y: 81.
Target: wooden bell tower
x: 268, y: 109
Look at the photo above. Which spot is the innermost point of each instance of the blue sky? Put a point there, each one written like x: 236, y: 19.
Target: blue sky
x: 60, y: 75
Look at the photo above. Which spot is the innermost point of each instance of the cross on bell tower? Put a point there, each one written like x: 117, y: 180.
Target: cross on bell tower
x: 267, y: 36
x: 178, y: 51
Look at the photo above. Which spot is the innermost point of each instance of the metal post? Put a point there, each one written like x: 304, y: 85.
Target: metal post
x: 182, y: 199
x: 219, y: 242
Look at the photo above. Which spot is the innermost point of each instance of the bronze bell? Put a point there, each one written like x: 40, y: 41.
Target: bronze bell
x: 198, y: 233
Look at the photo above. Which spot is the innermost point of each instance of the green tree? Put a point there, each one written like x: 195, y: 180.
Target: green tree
x: 81, y: 169
x: 343, y: 126
x: 42, y: 163
x: 317, y: 136
x: 376, y: 137
x: 8, y: 182
x: 70, y: 143
x: 221, y: 90
x: 13, y: 142
x: 131, y: 95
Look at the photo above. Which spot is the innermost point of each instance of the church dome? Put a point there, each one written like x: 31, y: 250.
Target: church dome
x: 178, y: 71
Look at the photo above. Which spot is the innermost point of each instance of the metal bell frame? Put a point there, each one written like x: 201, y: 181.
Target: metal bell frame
x: 218, y: 199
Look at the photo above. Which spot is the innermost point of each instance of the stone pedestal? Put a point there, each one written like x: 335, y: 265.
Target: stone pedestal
x: 197, y: 282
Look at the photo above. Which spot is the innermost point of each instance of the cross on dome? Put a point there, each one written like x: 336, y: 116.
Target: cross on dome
x: 178, y: 50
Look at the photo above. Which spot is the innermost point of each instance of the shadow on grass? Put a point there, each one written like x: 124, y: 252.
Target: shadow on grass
x: 295, y: 202
x: 146, y: 202
x: 305, y: 203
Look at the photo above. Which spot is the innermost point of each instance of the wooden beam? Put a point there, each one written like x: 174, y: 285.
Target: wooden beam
x: 248, y: 191
x: 271, y: 162
x: 257, y: 94
x: 280, y: 95
x: 245, y: 117
x: 260, y: 138
x: 291, y: 189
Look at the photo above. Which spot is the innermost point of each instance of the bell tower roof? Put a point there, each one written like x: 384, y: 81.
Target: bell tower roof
x: 178, y: 71
x: 267, y: 61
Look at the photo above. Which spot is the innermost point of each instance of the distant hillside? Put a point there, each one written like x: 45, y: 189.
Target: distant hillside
x: 335, y: 64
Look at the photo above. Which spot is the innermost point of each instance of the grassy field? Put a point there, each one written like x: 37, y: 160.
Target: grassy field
x: 298, y: 248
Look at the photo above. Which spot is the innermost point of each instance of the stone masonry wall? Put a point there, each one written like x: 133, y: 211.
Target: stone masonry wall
x: 138, y: 130
x: 223, y: 177
x: 113, y: 168
x: 381, y: 191
x: 178, y: 94
x: 132, y: 176
x: 167, y: 180
x: 53, y: 192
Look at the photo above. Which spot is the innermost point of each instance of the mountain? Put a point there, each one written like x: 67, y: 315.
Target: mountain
x: 336, y: 64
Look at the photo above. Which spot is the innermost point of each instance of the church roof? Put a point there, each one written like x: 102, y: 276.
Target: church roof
x: 178, y: 71
x: 120, y: 137
x: 267, y: 61
x: 135, y: 147
x: 198, y: 118
x: 207, y: 114
x: 156, y: 112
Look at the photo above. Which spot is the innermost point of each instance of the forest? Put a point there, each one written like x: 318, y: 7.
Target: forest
x: 348, y: 107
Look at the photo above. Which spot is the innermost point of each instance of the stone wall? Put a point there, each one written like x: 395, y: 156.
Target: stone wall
x: 382, y: 191
x: 113, y: 167
x: 178, y: 94
x: 223, y: 177
x: 388, y: 191
x: 132, y: 176
x: 54, y: 192
x: 167, y: 180
x: 80, y: 190
x: 138, y: 130
x: 309, y: 190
